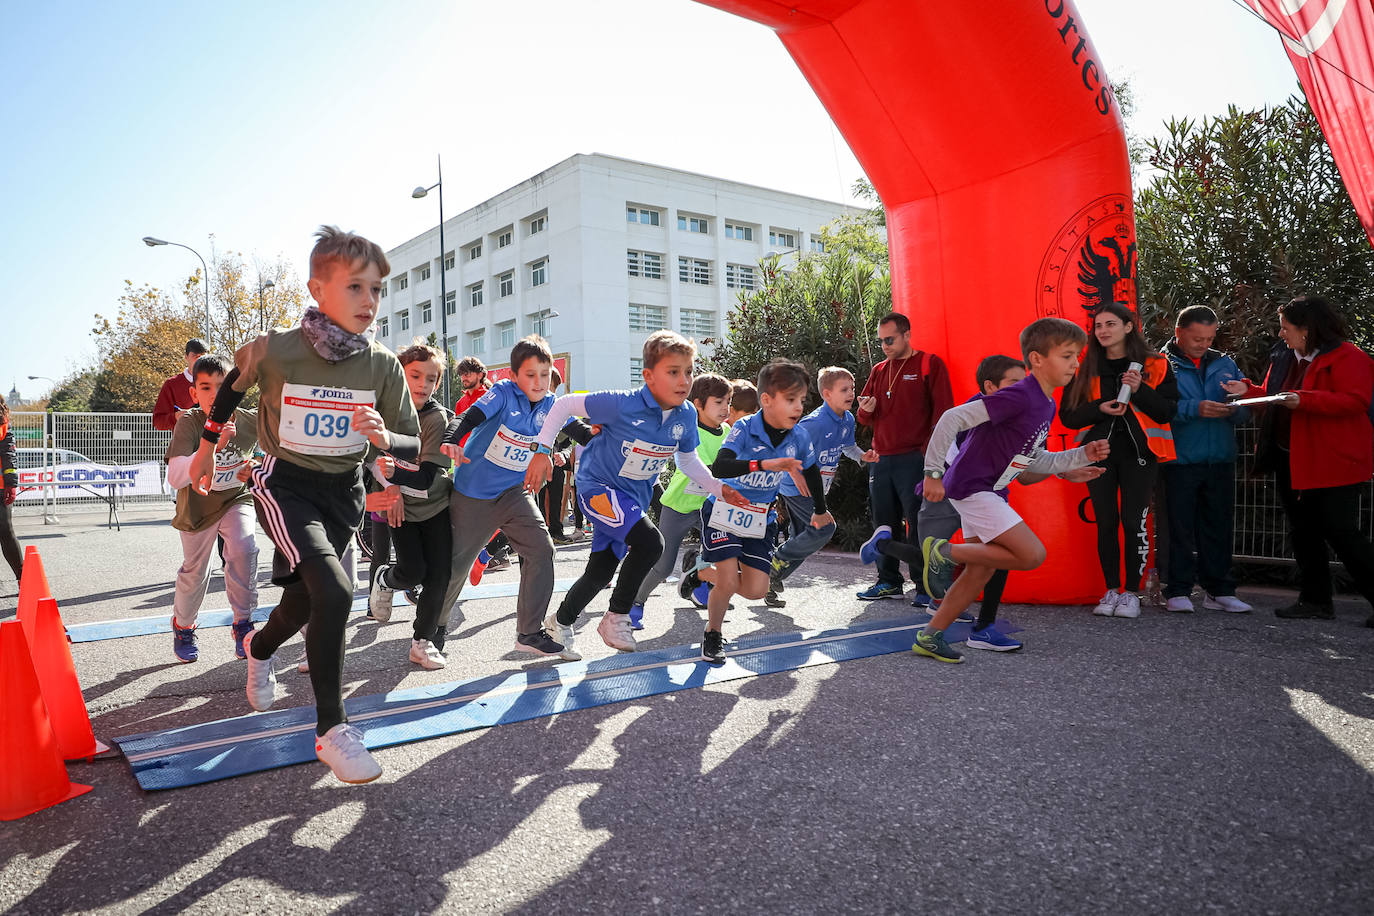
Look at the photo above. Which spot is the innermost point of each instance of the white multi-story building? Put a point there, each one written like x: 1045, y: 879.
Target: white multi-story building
x: 594, y: 254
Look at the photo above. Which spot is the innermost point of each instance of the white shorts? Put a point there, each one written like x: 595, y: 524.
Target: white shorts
x: 985, y: 515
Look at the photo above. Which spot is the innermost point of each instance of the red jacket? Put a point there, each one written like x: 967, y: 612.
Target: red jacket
x: 470, y: 397
x: 920, y: 393
x: 1331, y: 444
x: 175, y: 396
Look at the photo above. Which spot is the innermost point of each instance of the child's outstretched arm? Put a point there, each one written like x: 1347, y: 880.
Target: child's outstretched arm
x: 541, y: 464
x: 1069, y: 461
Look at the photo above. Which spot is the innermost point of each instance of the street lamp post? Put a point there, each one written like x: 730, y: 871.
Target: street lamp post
x: 153, y: 243
x: 262, y: 315
x: 443, y: 280
x: 49, y: 514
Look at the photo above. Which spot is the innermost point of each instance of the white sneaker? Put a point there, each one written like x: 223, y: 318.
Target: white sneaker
x: 380, y: 598
x: 341, y: 749
x: 423, y: 653
x: 565, y: 636
x: 262, y: 680
x: 1128, y: 605
x: 1180, y: 604
x: 614, y: 630
x: 1107, y: 606
x: 1229, y: 603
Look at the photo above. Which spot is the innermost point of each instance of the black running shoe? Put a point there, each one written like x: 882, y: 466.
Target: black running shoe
x: 772, y: 600
x: 689, y: 559
x: 1306, y: 610
x: 540, y: 643
x: 713, y: 647
x: 687, y: 584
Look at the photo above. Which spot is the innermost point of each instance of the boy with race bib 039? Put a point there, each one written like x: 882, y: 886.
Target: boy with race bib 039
x: 640, y: 431
x: 328, y: 391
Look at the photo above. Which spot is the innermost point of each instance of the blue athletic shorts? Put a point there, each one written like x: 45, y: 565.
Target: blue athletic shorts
x: 717, y: 545
x: 613, y: 514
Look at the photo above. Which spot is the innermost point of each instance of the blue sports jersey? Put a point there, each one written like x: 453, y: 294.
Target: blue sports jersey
x: 831, y: 433
x: 749, y: 441
x: 635, y: 442
x: 499, y: 450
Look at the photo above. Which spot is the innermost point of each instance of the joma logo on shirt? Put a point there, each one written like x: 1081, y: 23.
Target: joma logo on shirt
x: 343, y: 394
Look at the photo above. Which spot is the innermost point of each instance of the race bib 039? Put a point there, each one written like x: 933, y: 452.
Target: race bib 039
x: 318, y: 421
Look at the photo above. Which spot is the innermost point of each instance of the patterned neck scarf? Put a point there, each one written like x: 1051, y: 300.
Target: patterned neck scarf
x: 329, y: 340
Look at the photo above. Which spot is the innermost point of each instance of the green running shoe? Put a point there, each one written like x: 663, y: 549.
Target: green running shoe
x: 932, y: 644
x: 938, y: 575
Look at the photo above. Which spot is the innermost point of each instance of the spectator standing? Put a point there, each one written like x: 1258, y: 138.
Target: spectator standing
x: 1319, y: 445
x: 1200, y: 483
x: 903, y: 398
x: 177, y: 396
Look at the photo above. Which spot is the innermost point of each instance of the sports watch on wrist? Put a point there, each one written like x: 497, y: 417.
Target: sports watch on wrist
x: 935, y: 474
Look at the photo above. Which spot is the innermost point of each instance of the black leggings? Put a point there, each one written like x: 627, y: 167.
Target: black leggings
x: 1121, y: 502
x: 645, y: 547
x: 8, y: 543
x: 992, y: 592
x: 322, y: 597
x: 424, y: 553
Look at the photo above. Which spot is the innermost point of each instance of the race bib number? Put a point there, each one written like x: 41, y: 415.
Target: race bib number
x: 749, y: 521
x: 827, y: 478
x: 1013, y: 471
x: 318, y: 421
x: 409, y: 491
x: 695, y: 489
x: 226, y: 478
x: 645, y: 460
x: 510, y: 450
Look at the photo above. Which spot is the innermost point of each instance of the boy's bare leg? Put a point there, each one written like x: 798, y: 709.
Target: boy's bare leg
x: 1015, y: 548
x: 753, y: 583
x: 725, y: 582
x: 961, y: 595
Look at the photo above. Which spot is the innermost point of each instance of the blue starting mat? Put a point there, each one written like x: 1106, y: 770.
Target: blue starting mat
x: 162, y: 623
x: 263, y: 741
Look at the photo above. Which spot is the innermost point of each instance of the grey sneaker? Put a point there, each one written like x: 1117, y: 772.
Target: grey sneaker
x: 380, y: 598
x: 564, y: 636
x: 262, y: 680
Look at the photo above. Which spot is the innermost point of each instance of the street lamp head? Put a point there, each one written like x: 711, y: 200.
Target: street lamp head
x: 266, y: 284
x: 152, y: 242
x: 419, y: 192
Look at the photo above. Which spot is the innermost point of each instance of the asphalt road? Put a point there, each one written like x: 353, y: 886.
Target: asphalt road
x: 1168, y: 764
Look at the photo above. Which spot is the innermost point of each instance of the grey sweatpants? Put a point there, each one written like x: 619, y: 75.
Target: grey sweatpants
x: 240, y: 566
x: 516, y: 515
x: 673, y: 525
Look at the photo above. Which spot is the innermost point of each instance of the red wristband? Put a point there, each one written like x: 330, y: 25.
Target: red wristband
x: 212, y: 426
x: 753, y: 466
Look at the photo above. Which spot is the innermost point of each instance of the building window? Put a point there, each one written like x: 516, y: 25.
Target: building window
x: 539, y: 273
x: 403, y: 320
x: 475, y: 251
x: 736, y: 231
x: 636, y: 371
x: 383, y: 326
x: 698, y: 324
x: 475, y: 294
x: 504, y: 239
x: 424, y: 272
x: 645, y: 264
x: 402, y: 282
x: 693, y: 224
x: 477, y: 341
x: 383, y: 290
x: 449, y: 261
x: 506, y: 284
x: 507, y: 331
x: 817, y: 245
x: 538, y: 223
x: 642, y: 215
x: 539, y: 323
x: 779, y: 239
x: 450, y: 302
x: 426, y: 313
x: 739, y: 276
x: 647, y: 317
x: 694, y: 270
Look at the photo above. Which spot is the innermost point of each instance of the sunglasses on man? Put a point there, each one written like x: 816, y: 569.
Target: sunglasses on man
x: 888, y: 341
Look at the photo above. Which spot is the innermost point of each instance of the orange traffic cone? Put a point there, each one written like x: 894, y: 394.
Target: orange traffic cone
x: 33, y: 586
x: 33, y: 776
x: 52, y: 660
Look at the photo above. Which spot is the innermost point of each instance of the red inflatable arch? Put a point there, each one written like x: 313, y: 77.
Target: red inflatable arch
x: 992, y: 136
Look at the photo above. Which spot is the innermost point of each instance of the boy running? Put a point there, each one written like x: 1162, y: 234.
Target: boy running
x: 328, y: 389
x: 640, y: 431
x: 225, y: 512
x: 1007, y: 432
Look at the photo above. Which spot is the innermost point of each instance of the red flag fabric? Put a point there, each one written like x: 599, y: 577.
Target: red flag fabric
x: 1331, y: 45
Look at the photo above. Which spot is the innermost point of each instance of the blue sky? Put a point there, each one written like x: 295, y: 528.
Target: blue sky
x: 256, y: 122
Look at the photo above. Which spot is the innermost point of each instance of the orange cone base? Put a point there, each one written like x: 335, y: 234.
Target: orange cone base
x: 100, y: 748
x: 73, y: 790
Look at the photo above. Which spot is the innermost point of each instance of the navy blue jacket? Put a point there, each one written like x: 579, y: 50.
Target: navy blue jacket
x: 1199, y: 439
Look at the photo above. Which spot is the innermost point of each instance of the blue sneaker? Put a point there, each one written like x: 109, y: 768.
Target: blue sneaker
x: 922, y: 601
x: 939, y: 569
x: 636, y: 617
x: 881, y: 590
x: 871, y: 551
x: 184, y: 643
x: 700, y: 594
x: 241, y: 629
x: 988, y: 638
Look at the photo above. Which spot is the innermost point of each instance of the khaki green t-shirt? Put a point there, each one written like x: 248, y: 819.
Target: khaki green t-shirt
x: 194, y: 511
x: 307, y: 401
x: 422, y: 505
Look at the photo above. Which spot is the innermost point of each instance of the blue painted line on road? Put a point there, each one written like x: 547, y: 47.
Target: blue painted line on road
x: 263, y: 741
x: 162, y: 623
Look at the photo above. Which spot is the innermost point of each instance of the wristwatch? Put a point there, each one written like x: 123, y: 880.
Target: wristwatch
x: 542, y: 449
x: 935, y: 474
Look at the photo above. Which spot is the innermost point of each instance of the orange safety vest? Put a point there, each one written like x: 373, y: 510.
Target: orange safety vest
x: 1158, y: 436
